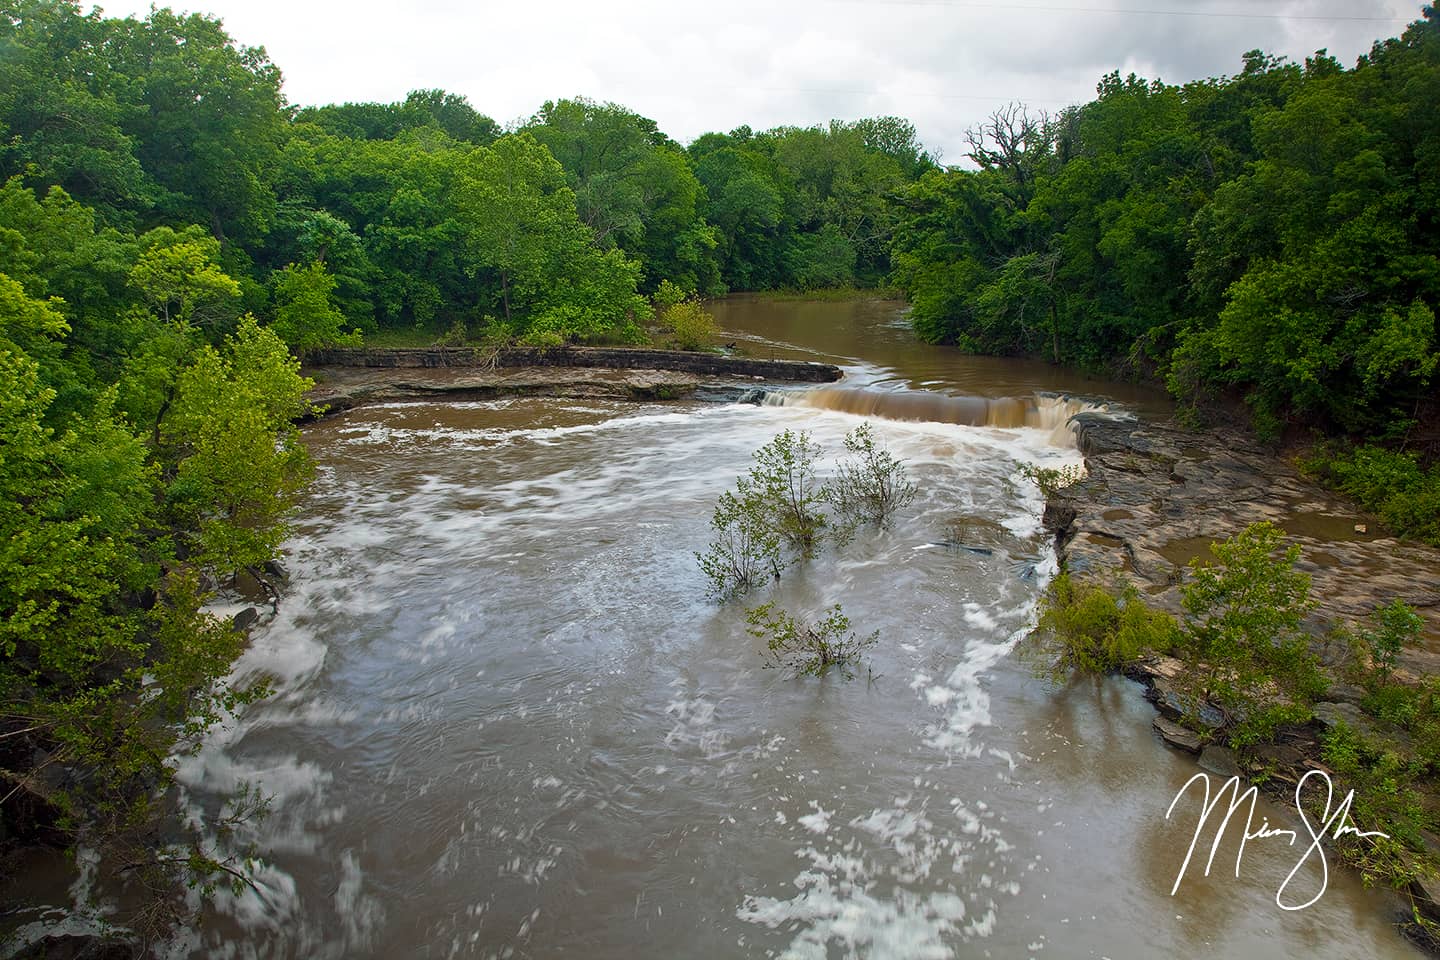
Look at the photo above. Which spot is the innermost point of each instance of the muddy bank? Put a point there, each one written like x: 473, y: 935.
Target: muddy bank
x: 1156, y: 496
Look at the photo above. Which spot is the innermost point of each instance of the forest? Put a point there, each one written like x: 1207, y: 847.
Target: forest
x: 175, y: 236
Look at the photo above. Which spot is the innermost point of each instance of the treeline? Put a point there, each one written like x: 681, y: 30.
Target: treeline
x: 425, y: 212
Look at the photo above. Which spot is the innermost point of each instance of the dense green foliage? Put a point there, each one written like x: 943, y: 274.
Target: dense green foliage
x: 1392, y: 758
x: 1242, y: 631
x: 1270, y: 237
x: 1091, y: 630
x: 136, y: 481
x: 683, y: 318
x: 1241, y: 638
x: 425, y: 212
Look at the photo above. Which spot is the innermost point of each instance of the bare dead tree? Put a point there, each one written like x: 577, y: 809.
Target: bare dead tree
x: 1015, y: 142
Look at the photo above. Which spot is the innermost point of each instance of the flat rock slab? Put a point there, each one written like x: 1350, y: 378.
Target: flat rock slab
x: 1156, y: 496
x: 342, y: 388
x: 1219, y: 761
x: 1178, y: 736
x: 699, y: 362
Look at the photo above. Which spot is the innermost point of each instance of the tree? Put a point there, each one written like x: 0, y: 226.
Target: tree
x: 746, y: 547
x: 108, y: 653
x: 238, y: 464
x: 1243, y: 627
x: 633, y: 188
x: 870, y: 485
x: 63, y: 108
x: 306, y: 317
x: 207, y: 122
x: 521, y: 226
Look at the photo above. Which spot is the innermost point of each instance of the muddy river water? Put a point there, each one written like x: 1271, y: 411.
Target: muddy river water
x: 509, y: 723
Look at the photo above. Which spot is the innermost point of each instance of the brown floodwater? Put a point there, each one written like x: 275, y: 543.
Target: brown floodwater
x: 509, y: 723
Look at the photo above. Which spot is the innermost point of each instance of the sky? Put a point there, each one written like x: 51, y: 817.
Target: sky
x: 942, y: 64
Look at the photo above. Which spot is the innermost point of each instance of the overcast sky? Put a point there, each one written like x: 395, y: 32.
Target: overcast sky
x: 693, y: 67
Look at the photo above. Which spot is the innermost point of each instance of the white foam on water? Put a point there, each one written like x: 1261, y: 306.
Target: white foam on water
x: 817, y: 822
x: 868, y: 882
x: 840, y: 908
x: 369, y: 433
x: 870, y: 891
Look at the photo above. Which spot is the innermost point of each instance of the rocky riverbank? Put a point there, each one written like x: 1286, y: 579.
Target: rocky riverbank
x: 1155, y: 496
x: 351, y: 378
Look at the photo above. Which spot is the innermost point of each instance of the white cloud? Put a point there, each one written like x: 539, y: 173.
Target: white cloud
x: 692, y: 67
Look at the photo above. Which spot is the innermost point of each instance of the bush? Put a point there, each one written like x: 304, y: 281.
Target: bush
x: 690, y: 326
x: 1243, y: 632
x: 870, y: 485
x: 784, y: 477
x: 1391, y: 485
x: 1097, y: 632
x: 1051, y: 480
x: 306, y: 316
x: 746, y: 548
x: 809, y: 649
x: 779, y: 504
x: 1394, y: 627
x: 1387, y: 799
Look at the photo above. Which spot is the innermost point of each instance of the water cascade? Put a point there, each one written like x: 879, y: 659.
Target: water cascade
x: 1047, y: 412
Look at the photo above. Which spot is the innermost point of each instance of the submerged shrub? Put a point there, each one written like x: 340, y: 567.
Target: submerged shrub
x: 746, y: 547
x: 1394, y: 627
x: 1051, y: 480
x: 784, y: 475
x: 809, y: 649
x: 780, y: 504
x: 870, y: 485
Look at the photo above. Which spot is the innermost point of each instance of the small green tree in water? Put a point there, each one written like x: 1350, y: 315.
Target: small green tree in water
x: 784, y: 475
x: 870, y: 484
x: 809, y: 649
x: 779, y: 504
x: 746, y: 546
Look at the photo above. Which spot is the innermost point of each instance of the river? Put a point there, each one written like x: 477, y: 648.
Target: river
x: 509, y: 723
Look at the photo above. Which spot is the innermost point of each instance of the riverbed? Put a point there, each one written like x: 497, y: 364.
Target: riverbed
x: 508, y: 721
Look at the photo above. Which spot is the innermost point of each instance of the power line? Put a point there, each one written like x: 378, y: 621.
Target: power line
x: 1128, y: 11
x: 902, y: 94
